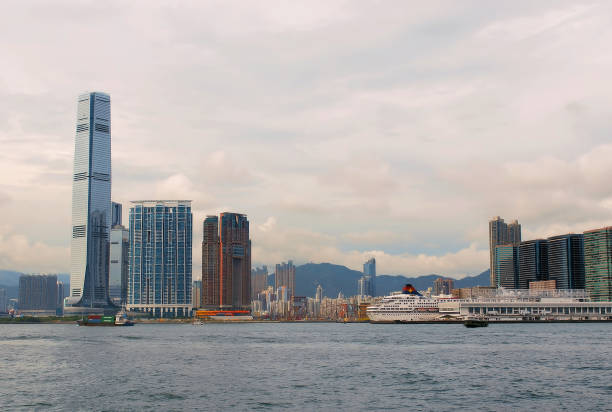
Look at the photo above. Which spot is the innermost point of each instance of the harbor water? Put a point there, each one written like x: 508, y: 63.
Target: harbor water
x: 307, y: 366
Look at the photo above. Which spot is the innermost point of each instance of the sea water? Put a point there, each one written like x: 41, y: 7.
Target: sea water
x: 307, y: 366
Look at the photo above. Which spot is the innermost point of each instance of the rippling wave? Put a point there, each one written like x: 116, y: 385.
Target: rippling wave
x: 357, y: 367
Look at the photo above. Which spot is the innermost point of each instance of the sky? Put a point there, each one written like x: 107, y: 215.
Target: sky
x: 343, y: 129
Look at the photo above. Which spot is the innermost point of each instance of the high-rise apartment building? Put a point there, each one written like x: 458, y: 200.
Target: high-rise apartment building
x: 598, y: 264
x: 533, y: 262
x: 514, y: 233
x: 506, y: 269
x: 38, y: 293
x: 119, y: 263
x: 259, y: 280
x: 211, y: 292
x: 566, y: 261
x: 235, y: 261
x: 159, y: 276
x: 91, y: 202
x: 501, y: 233
x: 284, y: 275
x: 226, y: 262
x: 443, y: 286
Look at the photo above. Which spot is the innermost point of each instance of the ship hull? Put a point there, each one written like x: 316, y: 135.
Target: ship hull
x: 406, y: 317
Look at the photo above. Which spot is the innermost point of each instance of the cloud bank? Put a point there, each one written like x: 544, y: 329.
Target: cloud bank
x: 342, y: 129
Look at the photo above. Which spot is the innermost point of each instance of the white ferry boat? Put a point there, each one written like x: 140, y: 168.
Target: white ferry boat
x: 405, y: 306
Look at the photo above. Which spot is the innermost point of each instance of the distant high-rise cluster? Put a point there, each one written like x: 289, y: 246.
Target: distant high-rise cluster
x: 284, y: 276
x: 226, y: 262
x: 159, y: 276
x: 570, y: 261
x: 367, y: 283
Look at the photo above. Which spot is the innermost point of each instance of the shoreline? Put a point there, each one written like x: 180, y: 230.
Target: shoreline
x: 163, y: 321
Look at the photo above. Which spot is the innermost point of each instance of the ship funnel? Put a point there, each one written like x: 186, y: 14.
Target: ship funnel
x: 408, y: 289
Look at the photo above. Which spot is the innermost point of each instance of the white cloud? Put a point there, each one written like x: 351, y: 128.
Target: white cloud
x: 19, y: 252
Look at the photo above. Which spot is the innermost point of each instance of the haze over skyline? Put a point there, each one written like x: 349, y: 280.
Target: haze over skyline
x: 344, y: 130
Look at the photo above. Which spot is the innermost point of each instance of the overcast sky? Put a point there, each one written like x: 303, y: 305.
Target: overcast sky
x: 343, y: 130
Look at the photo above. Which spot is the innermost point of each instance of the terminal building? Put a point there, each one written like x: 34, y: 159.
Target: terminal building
x: 521, y: 304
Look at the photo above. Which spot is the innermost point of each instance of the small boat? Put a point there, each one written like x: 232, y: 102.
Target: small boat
x: 476, y: 323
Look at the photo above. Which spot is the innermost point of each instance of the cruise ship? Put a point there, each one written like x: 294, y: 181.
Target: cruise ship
x: 405, y: 306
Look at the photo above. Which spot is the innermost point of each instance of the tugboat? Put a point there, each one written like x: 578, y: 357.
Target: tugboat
x: 476, y: 323
x: 120, y: 319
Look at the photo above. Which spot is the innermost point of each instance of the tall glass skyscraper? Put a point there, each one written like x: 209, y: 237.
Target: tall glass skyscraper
x: 598, y: 264
x: 566, y: 260
x: 506, y: 266
x: 532, y: 262
x: 159, y: 275
x: 91, y: 202
x: 366, y: 285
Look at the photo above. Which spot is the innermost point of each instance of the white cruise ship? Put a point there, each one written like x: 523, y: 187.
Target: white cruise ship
x: 405, y: 306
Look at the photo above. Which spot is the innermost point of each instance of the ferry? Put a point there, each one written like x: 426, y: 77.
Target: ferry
x: 405, y: 306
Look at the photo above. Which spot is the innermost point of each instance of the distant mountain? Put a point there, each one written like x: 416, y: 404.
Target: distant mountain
x: 332, y: 278
x: 335, y: 278
x: 484, y: 279
x: 9, y: 278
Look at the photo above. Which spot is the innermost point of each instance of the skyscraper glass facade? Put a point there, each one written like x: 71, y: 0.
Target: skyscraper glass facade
x: 566, y: 261
x: 159, y: 276
x: 366, y: 285
x: 598, y: 264
x: 506, y: 269
x: 91, y: 202
x: 533, y: 262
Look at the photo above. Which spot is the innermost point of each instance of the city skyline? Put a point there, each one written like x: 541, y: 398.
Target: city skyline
x: 333, y: 162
